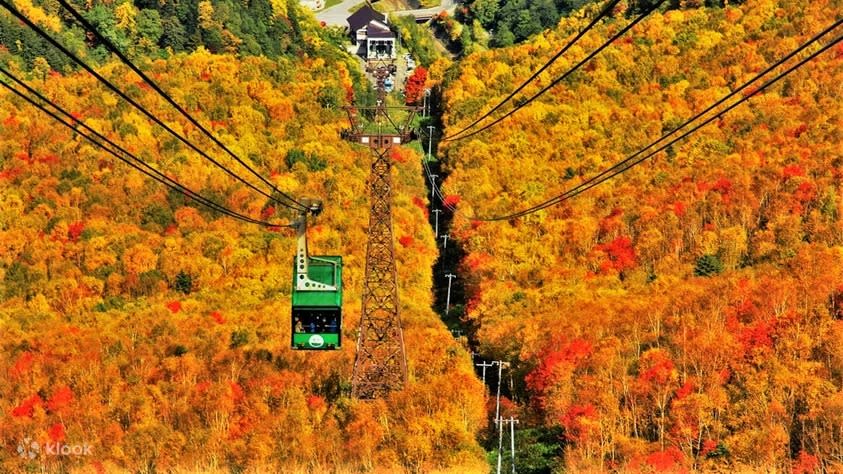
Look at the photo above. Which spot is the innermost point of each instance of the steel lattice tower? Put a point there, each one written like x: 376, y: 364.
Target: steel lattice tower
x: 380, y: 365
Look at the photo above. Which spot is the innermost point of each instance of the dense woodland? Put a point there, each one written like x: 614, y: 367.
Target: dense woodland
x: 158, y: 331
x: 500, y: 23
x: 689, y: 313
x: 686, y: 316
x: 153, y: 28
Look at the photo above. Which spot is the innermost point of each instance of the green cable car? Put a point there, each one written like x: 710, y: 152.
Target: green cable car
x: 317, y: 294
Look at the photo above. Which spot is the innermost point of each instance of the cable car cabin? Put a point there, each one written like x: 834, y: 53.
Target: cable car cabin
x: 317, y: 302
x: 317, y: 292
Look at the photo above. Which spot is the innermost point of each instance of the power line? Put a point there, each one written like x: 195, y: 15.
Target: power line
x: 596, y: 180
x: 608, y: 8
x: 149, y: 171
x: 436, y: 190
x: 134, y: 103
x: 87, y: 25
x: 566, y: 74
x: 631, y: 160
x: 163, y: 178
x: 429, y: 174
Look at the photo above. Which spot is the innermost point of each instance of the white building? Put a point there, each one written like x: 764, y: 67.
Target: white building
x: 370, y: 32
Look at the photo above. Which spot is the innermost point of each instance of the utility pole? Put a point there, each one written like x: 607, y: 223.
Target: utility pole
x: 430, y: 129
x: 445, y: 237
x: 500, y: 375
x: 511, y: 386
x: 484, y: 365
x: 450, y: 277
x: 436, y: 229
x: 512, y: 422
x: 380, y: 364
x: 499, y: 422
x: 433, y: 186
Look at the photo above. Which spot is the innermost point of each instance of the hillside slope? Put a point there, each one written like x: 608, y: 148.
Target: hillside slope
x: 158, y: 332
x: 686, y: 314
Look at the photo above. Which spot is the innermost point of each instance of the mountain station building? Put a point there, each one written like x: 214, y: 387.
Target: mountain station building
x: 370, y: 31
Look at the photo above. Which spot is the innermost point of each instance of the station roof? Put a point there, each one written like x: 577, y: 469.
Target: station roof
x: 376, y: 29
x: 363, y: 16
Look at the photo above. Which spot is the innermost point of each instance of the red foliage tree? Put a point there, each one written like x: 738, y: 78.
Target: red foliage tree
x: 237, y: 393
x: 268, y: 212
x: 74, y: 231
x: 657, y: 368
x: 708, y: 446
x: 619, y: 253
x: 415, y: 86
x: 575, y: 421
x: 806, y: 464
x: 451, y: 200
x: 792, y: 170
x: 571, y: 353
x: 405, y: 240
x: 476, y: 261
x: 27, y: 407
x: 686, y: 389
x: 315, y: 402
x: 805, y: 193
x: 757, y: 336
x: 22, y: 364
x: 218, y: 317
x: 722, y: 186
x: 56, y: 433
x: 62, y: 398
x: 398, y: 155
x: 667, y: 460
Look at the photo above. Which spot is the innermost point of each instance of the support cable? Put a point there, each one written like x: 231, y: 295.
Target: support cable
x: 429, y: 174
x: 566, y: 74
x: 436, y: 190
x: 631, y: 160
x: 149, y: 171
x: 608, y: 8
x: 114, y: 49
x: 134, y: 103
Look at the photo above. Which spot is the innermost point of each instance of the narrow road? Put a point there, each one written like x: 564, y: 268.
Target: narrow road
x: 447, y: 5
x: 337, y: 14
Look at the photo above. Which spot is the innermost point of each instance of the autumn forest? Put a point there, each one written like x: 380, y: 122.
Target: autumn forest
x: 685, y: 315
